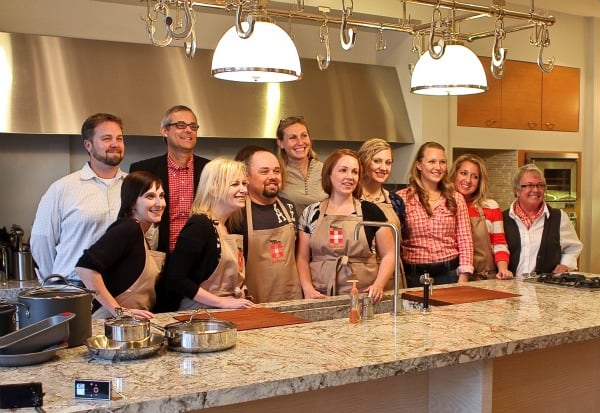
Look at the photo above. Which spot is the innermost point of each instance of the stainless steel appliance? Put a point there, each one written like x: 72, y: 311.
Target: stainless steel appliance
x: 561, y: 173
x: 581, y: 281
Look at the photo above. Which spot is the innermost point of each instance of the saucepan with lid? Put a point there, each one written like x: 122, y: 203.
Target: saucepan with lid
x: 200, y: 335
x: 126, y: 328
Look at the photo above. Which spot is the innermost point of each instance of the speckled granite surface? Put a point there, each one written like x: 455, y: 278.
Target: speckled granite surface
x: 297, y: 358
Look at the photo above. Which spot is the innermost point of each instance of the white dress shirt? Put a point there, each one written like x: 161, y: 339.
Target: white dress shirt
x: 73, y: 214
x: 531, y: 239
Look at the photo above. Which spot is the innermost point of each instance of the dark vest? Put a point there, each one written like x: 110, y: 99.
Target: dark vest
x: 548, y: 256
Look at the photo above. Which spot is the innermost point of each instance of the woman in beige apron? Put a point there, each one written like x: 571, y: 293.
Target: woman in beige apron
x: 142, y: 205
x: 376, y: 161
x: 271, y: 273
x: 207, y: 267
x: 227, y: 279
x: 329, y: 256
x: 490, y: 251
x: 141, y: 294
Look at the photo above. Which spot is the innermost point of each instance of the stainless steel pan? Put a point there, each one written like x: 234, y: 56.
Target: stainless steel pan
x: 200, y: 335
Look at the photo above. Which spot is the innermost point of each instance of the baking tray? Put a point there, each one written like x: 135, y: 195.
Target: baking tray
x: 104, y: 348
x: 37, y: 336
x: 27, y: 359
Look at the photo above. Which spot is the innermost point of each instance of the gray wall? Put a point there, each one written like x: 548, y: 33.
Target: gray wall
x: 30, y: 163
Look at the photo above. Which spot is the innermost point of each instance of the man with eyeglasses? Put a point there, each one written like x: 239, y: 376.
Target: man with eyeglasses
x: 540, y: 238
x: 179, y: 169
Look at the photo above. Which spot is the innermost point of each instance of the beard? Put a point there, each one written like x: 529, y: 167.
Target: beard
x: 269, y: 192
x: 108, y: 158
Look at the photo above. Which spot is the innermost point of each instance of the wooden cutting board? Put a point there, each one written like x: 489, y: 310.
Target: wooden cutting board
x: 457, y: 295
x: 251, y: 318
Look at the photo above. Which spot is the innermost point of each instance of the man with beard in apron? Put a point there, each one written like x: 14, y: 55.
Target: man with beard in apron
x: 327, y: 255
x: 207, y: 264
x: 120, y: 266
x: 268, y: 220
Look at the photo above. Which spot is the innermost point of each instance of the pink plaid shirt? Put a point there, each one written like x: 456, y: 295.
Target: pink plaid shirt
x: 440, y: 237
x: 181, y: 196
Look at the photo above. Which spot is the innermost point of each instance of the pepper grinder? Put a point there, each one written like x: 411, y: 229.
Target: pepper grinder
x: 427, y: 282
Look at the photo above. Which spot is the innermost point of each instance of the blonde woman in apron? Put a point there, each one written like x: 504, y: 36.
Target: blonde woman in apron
x: 120, y: 266
x: 376, y: 161
x: 490, y: 251
x: 207, y: 264
x: 327, y: 253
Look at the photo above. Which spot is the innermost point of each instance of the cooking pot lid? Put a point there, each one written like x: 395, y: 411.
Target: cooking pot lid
x: 124, y: 321
x: 6, y: 307
x: 47, y: 293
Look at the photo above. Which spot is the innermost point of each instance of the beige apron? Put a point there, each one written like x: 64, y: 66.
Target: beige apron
x: 337, y: 257
x: 141, y: 294
x: 271, y: 273
x: 483, y: 253
x: 229, y: 274
x: 392, y: 217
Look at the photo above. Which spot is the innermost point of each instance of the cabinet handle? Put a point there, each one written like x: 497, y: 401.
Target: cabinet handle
x: 490, y: 122
x: 549, y: 125
x: 532, y: 124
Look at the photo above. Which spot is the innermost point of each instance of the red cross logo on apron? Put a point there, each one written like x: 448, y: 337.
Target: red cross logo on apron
x: 240, y: 259
x: 276, y: 248
x: 336, y: 237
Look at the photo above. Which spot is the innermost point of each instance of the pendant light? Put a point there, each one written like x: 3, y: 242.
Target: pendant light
x: 457, y: 72
x: 256, y: 50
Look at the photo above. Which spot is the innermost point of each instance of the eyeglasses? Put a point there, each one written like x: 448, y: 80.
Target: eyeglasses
x: 183, y: 125
x: 532, y: 186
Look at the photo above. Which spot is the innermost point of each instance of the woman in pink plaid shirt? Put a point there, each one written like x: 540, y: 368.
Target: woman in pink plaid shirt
x: 438, y: 239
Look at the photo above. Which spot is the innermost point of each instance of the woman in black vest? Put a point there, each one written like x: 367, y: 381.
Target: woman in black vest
x: 540, y: 239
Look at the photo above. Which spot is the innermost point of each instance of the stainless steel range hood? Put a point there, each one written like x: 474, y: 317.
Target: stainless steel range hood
x: 49, y: 85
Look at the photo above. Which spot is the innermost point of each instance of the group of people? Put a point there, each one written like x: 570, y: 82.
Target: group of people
x: 180, y: 232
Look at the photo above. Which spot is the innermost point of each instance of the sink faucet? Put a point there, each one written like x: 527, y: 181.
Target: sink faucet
x: 396, y: 309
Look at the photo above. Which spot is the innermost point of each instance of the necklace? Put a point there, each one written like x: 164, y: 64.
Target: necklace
x: 372, y: 198
x: 436, y: 199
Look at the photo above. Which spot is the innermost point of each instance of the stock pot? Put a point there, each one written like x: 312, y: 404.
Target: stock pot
x: 47, y: 301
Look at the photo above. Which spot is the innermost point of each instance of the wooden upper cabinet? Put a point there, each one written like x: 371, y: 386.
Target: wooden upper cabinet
x: 521, y: 96
x: 525, y: 98
x: 482, y: 109
x: 560, y: 99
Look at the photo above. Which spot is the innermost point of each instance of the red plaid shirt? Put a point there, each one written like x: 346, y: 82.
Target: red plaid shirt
x: 442, y: 236
x: 181, y: 196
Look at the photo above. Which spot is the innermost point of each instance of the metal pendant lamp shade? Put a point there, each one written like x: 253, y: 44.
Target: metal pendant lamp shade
x: 268, y: 55
x: 457, y: 72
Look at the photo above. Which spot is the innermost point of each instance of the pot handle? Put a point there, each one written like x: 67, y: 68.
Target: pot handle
x: 168, y: 333
x: 4, y: 301
x: 67, y: 284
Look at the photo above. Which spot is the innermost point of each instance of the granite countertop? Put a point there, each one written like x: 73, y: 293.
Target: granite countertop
x: 296, y: 358
x: 11, y: 289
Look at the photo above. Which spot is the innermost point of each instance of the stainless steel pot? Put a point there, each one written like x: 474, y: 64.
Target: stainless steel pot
x: 200, y: 335
x: 126, y: 328
x: 47, y: 301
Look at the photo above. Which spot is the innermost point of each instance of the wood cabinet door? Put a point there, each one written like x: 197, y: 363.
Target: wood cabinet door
x: 521, y: 96
x: 483, y: 109
x: 560, y: 99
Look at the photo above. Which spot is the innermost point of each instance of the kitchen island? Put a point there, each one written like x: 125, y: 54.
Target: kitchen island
x: 539, y: 351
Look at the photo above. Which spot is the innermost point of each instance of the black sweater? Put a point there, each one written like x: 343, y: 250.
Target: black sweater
x: 119, y: 256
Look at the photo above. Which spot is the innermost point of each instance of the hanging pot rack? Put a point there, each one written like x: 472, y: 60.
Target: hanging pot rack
x: 348, y: 22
